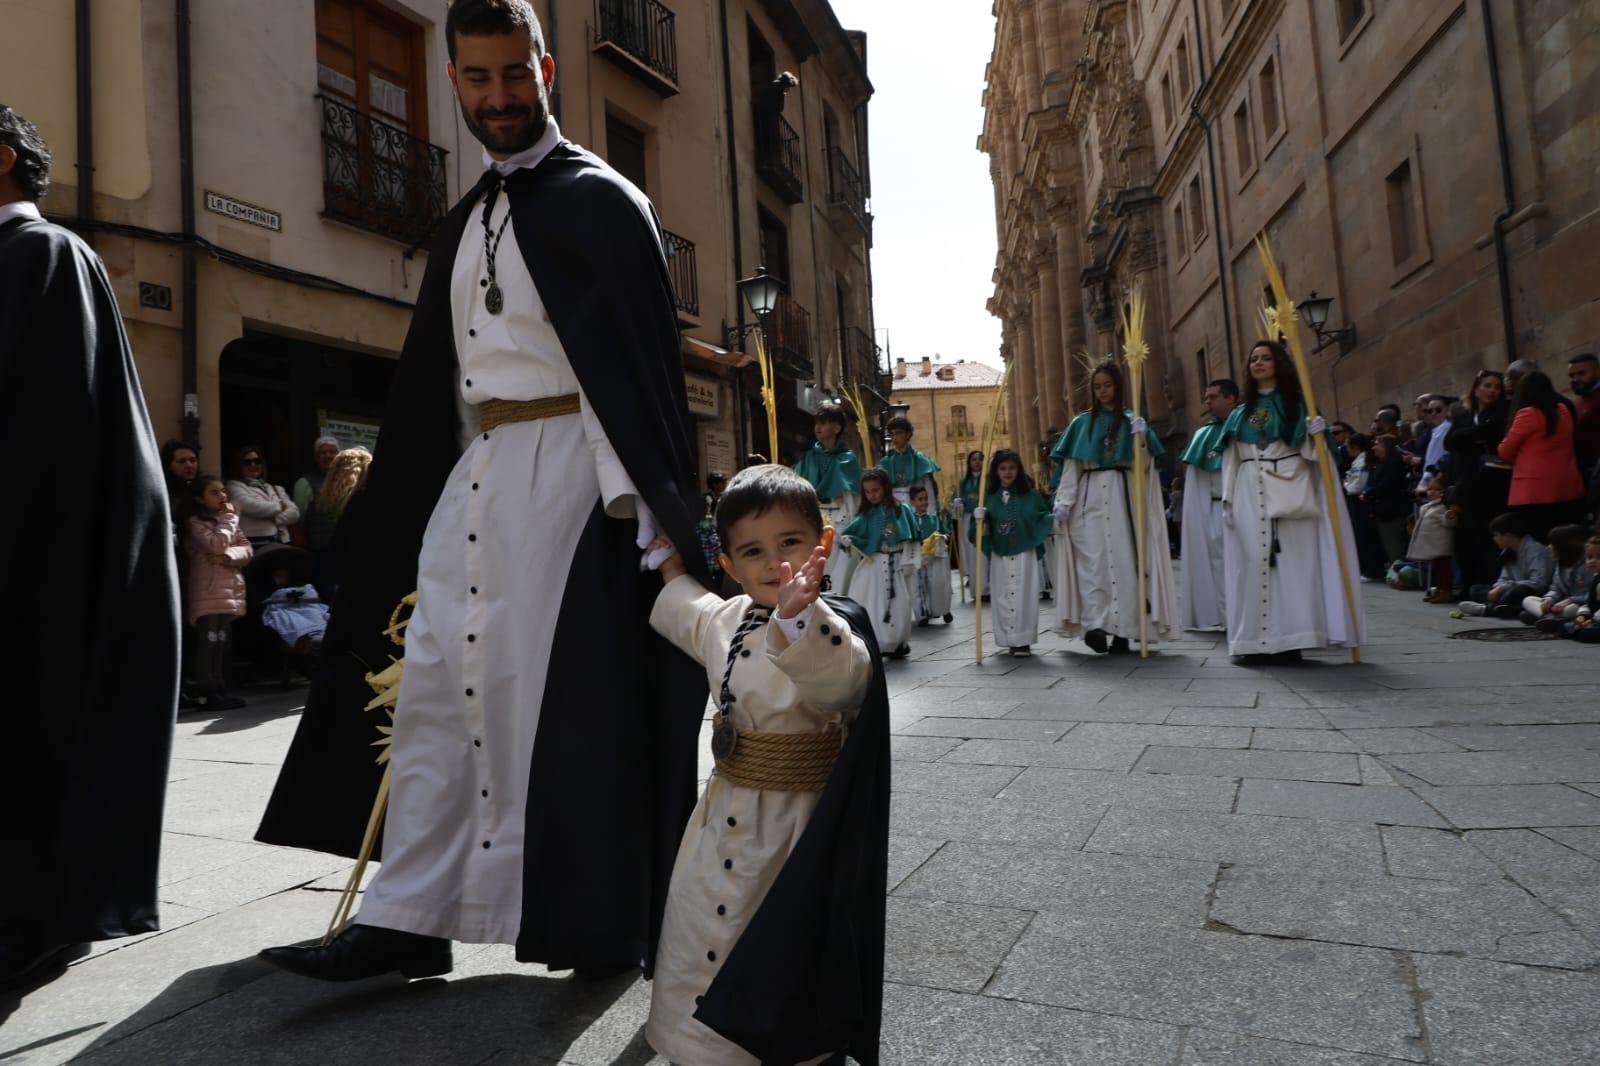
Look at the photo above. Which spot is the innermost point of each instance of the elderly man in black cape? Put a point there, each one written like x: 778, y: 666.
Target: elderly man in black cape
x: 543, y: 751
x: 92, y: 678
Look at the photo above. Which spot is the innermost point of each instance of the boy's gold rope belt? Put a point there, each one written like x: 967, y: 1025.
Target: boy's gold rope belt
x: 495, y: 413
x: 781, y: 762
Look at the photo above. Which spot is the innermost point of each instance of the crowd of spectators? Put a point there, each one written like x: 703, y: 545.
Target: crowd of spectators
x: 1486, y: 500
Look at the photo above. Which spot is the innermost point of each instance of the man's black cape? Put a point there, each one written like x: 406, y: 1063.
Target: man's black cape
x: 613, y: 766
x: 86, y: 567
x: 806, y: 976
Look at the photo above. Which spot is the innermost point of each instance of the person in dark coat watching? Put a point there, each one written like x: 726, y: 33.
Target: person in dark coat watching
x: 92, y: 677
x: 1480, y: 480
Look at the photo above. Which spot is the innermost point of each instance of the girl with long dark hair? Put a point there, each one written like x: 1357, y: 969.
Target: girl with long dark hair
x: 1285, y: 589
x: 1480, y: 479
x: 1096, y: 569
x: 884, y: 531
x: 1017, y: 519
x: 964, y: 502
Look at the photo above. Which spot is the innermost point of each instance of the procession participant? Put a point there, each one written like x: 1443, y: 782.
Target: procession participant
x: 904, y: 464
x: 1283, y: 583
x: 1201, y: 529
x: 834, y: 471
x: 535, y: 436
x: 1017, y: 519
x: 962, y: 504
x: 92, y: 673
x: 1098, y: 586
x: 772, y: 946
x: 884, y: 531
x: 933, y: 573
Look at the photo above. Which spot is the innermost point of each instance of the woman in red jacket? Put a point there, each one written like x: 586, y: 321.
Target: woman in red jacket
x: 1546, y: 487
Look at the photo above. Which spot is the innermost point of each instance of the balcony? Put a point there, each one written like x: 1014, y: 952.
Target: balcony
x: 847, y: 198
x: 789, y: 340
x: 860, y: 358
x: 778, y: 157
x: 377, y: 176
x: 961, y: 432
x: 685, y: 276
x: 641, y: 37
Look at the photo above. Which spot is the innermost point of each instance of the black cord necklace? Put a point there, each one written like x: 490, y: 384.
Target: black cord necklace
x: 493, y: 299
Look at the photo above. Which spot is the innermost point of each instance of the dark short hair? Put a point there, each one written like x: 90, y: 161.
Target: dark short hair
x: 31, y: 175
x: 172, y: 446
x: 1568, y: 543
x: 830, y: 412
x: 1227, y: 386
x: 1511, y: 524
x: 1584, y: 357
x: 1334, y: 425
x: 483, y: 17
x: 755, y: 490
x: 918, y: 489
x: 898, y: 422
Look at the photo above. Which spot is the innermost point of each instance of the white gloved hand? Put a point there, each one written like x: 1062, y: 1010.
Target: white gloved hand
x: 980, y: 513
x: 843, y: 540
x: 1063, y: 511
x: 1138, y: 424
x: 1317, y: 424
x: 956, y: 507
x: 1227, y: 517
x: 649, y: 531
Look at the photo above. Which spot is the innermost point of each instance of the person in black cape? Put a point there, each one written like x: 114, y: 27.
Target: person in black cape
x: 613, y: 764
x: 93, y: 674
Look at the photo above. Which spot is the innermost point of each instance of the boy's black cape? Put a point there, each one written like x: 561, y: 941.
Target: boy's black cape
x: 806, y: 977
x: 86, y: 565
x: 613, y: 765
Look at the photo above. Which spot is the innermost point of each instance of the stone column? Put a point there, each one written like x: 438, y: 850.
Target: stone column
x: 1052, y: 357
x: 1032, y: 81
x: 1069, y: 270
x: 1024, y: 380
x: 1049, y: 28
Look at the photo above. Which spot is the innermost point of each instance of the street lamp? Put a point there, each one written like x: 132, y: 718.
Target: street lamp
x: 761, y: 291
x: 1315, y: 309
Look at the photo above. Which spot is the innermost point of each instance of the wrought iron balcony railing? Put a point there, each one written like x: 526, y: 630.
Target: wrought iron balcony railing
x: 789, y: 338
x: 685, y: 276
x: 640, y: 36
x: 778, y: 156
x: 860, y: 357
x: 379, y: 177
x: 845, y: 189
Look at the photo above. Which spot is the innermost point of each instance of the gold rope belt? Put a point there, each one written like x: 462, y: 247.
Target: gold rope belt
x: 495, y: 413
x: 781, y: 762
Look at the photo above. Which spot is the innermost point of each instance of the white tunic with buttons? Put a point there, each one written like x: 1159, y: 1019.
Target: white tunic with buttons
x: 491, y: 575
x: 739, y: 838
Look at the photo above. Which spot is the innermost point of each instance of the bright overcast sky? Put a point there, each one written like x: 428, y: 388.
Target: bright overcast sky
x: 933, y: 207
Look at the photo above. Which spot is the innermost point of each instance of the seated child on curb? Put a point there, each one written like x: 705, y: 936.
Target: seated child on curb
x: 1569, y: 580
x: 795, y: 813
x: 1525, y: 569
x: 1581, y: 626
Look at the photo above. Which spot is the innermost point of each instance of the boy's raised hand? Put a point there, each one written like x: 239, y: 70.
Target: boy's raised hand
x: 672, y: 565
x: 799, y: 590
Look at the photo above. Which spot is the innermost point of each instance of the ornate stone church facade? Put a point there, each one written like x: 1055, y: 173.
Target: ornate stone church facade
x: 1429, y: 170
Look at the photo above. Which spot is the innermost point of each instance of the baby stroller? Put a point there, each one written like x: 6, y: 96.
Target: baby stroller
x: 285, y: 617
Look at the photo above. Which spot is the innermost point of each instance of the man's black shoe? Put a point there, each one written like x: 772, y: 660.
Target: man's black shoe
x: 1551, y: 623
x: 1096, y: 639
x: 1119, y: 646
x: 1285, y: 658
x: 363, y: 951
x: 948, y: 618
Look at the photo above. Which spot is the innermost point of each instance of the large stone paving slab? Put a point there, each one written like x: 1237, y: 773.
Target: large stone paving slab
x: 1015, y: 821
x: 1270, y: 739
x: 1397, y: 741
x: 925, y: 1027
x: 1155, y: 891
x: 1435, y: 854
x: 1225, y: 762
x: 1183, y: 736
x: 1385, y: 805
x: 1512, y: 806
x: 1295, y: 843
x: 986, y: 729
x: 1492, y: 1014
x: 1329, y: 995
x: 1246, y: 717
x: 1510, y: 737
x: 939, y: 944
x: 1203, y: 1047
x: 1067, y: 752
x: 1085, y: 787
x: 947, y: 779
x: 1521, y: 766
x: 1486, y: 921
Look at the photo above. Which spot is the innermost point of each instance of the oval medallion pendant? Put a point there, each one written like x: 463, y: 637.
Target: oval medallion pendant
x: 493, y: 300
x: 724, y: 739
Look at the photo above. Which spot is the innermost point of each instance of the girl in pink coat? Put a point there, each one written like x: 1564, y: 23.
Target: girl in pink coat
x: 217, y: 551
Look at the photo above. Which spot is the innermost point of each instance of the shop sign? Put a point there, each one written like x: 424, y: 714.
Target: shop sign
x: 718, y: 451
x: 705, y: 395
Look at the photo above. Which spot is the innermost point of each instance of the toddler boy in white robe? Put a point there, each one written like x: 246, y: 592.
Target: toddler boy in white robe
x: 786, y: 671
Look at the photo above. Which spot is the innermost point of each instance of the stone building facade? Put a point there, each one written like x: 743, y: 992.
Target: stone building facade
x: 1431, y: 171
x: 952, y: 406
x: 325, y: 141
